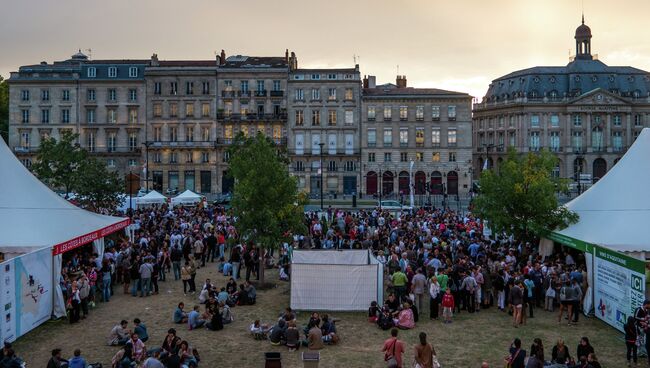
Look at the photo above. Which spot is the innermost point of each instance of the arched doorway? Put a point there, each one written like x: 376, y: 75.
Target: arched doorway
x: 490, y: 163
x: 436, y: 183
x: 420, y: 180
x: 387, y: 184
x: 479, y: 164
x: 452, y: 183
x: 371, y: 183
x: 578, y: 168
x: 599, y: 169
x: 227, y: 182
x: 403, y: 183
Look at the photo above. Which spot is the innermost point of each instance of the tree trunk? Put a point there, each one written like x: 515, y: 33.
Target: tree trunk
x: 261, y: 267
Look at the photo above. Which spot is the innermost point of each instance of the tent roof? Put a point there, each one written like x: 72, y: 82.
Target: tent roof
x: 32, y: 216
x: 188, y: 194
x: 152, y: 197
x: 615, y: 211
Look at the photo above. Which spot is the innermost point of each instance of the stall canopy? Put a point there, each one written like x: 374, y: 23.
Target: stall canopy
x: 152, y: 197
x: 187, y: 197
x: 34, y: 217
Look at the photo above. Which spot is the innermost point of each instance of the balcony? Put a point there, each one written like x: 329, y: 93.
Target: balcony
x: 244, y: 94
x: 182, y: 144
x: 20, y: 149
x: 260, y: 93
x: 227, y: 94
x: 372, y: 144
x: 556, y: 149
x: 277, y: 93
x: 113, y: 150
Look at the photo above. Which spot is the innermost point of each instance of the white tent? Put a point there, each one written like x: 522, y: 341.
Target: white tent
x: 185, y: 198
x: 34, y: 218
x: 152, y: 197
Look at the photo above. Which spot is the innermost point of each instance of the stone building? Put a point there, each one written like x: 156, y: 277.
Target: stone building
x: 324, y: 111
x: 426, y: 126
x: 587, y: 113
x: 101, y: 100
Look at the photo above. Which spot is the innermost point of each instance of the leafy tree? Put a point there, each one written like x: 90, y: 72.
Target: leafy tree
x: 520, y: 198
x: 266, y: 200
x: 98, y: 188
x: 4, y: 108
x: 58, y: 162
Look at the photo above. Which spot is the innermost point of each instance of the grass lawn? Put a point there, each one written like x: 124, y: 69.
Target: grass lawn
x: 470, y: 339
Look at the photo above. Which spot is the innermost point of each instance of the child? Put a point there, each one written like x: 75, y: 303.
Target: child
x: 293, y: 337
x: 259, y: 330
x: 283, y: 275
x: 373, y: 312
x: 447, y: 306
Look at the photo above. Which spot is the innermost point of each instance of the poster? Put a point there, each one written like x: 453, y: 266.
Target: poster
x: 7, y: 301
x: 619, y: 283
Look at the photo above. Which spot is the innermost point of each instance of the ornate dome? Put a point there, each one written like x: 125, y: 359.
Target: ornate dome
x: 583, y: 31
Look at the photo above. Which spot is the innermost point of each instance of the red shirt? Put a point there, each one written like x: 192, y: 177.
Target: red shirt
x: 399, y: 349
x: 448, y: 301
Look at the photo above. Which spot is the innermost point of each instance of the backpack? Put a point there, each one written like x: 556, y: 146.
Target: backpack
x: 385, y: 322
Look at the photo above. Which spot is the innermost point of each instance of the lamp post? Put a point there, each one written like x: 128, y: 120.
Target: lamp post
x: 321, y: 174
x: 146, y: 167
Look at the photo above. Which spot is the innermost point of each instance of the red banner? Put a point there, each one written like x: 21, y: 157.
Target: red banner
x: 90, y: 237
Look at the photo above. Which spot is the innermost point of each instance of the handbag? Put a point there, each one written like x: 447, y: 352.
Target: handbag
x: 511, y: 358
x: 436, y: 363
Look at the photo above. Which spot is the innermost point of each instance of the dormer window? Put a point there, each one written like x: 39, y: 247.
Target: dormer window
x: 112, y: 72
x: 133, y: 72
x: 551, y: 79
x: 536, y: 79
x: 577, y: 78
x: 92, y: 72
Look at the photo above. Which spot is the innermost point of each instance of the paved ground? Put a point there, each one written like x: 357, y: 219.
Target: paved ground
x: 465, y: 343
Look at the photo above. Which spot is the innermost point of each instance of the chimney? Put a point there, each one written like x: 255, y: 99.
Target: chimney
x: 294, y: 61
x: 365, y: 81
x: 372, y: 81
x: 400, y: 81
x: 222, y: 57
x: 286, y: 56
x: 154, y: 60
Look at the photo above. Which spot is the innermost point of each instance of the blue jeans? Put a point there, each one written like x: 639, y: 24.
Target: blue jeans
x: 106, y: 288
x: 176, y: 266
x: 222, y: 249
x: 145, y: 286
x: 135, y: 286
x: 235, y: 270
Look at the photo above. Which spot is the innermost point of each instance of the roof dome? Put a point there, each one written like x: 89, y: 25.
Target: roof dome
x: 583, y: 30
x: 79, y: 56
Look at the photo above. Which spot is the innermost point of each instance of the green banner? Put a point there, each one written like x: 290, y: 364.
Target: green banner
x: 571, y: 242
x: 620, y: 259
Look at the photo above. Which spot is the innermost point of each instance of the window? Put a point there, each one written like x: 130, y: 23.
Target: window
x: 45, y: 116
x: 371, y: 157
x: 331, y: 166
x: 315, y: 76
x: 349, y: 93
x: 451, y: 112
x: 25, y: 139
x: 111, y: 115
x: 435, y: 137
x: 90, y: 115
x: 157, y: 135
x: 388, y: 137
x: 205, y: 157
x: 277, y: 133
x: 451, y: 137
x: 387, y: 157
x: 501, y: 122
x: 24, y: 95
x: 331, y: 94
x: 133, y: 72
x: 276, y: 85
x: 228, y: 132
x: 173, y: 158
x: 435, y: 112
x: 189, y: 134
x: 555, y: 121
x: 315, y: 117
x: 133, y: 162
x: 173, y: 88
x: 300, y: 166
x: 300, y: 94
x: 25, y: 115
x: 403, y: 157
x: 173, y: 134
x: 419, y: 137
x: 260, y: 86
x: 92, y: 72
x: 349, y: 117
x: 371, y: 113
x: 331, y: 76
x: 112, y: 94
x: 91, y: 95
x: 111, y: 142
x: 110, y: 163
x: 388, y: 113
x: 133, y: 141
x: 65, y: 116
x: 435, y: 157
x: 189, y: 88
x: 403, y: 137
x: 173, y: 110
x: 157, y: 88
x: 452, y: 156
x: 576, y: 141
x: 597, y: 143
x: 577, y: 120
x: 554, y: 141
x: 300, y: 118
x: 133, y: 116
x: 27, y: 162
x: 244, y: 86
x: 206, y: 88
x: 419, y: 113
x: 349, y: 165
x: 205, y: 110
x: 315, y: 94
x: 512, y: 139
x: 112, y: 72
x: 157, y: 157
x: 372, y: 137
x: 66, y: 95
x: 617, y: 120
x: 511, y: 123
x: 189, y: 110
x: 534, y: 121
x: 331, y: 117
x: 617, y: 141
x: 534, y: 141
x: 403, y: 112
x: 45, y: 95
x: 638, y: 120
x: 133, y: 95
x: 157, y: 110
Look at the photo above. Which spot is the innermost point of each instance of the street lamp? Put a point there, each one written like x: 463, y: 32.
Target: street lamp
x: 321, y: 174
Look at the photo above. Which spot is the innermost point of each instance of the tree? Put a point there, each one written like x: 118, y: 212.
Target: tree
x: 4, y: 108
x: 58, y: 162
x: 519, y: 198
x: 98, y: 188
x: 266, y: 200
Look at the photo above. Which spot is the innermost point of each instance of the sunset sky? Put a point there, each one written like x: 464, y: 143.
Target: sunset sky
x: 459, y: 45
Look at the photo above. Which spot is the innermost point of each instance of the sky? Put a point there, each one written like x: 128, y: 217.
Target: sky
x: 459, y: 45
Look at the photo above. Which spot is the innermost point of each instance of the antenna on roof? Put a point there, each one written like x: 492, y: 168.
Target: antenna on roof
x: 397, y: 69
x: 354, y: 57
x: 583, y: 11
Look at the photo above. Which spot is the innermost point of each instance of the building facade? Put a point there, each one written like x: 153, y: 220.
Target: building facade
x: 586, y: 112
x: 323, y: 121
x: 429, y: 127
x: 103, y: 101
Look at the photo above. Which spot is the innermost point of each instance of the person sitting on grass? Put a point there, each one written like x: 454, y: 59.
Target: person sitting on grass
x: 171, y: 343
x: 140, y: 329
x: 385, y: 320
x: 9, y: 358
x: 222, y: 297
x: 315, y: 338
x: 373, y: 312
x: 56, y: 361
x: 277, y: 335
x: 123, y: 358
x: 138, y: 347
x: 179, y: 314
x: 226, y: 314
x: 328, y: 329
x: 405, y: 319
x: 252, y: 293
x: 288, y: 315
x: 194, y: 319
x: 119, y: 334
x: 259, y: 330
x: 293, y: 337
x: 189, y: 356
